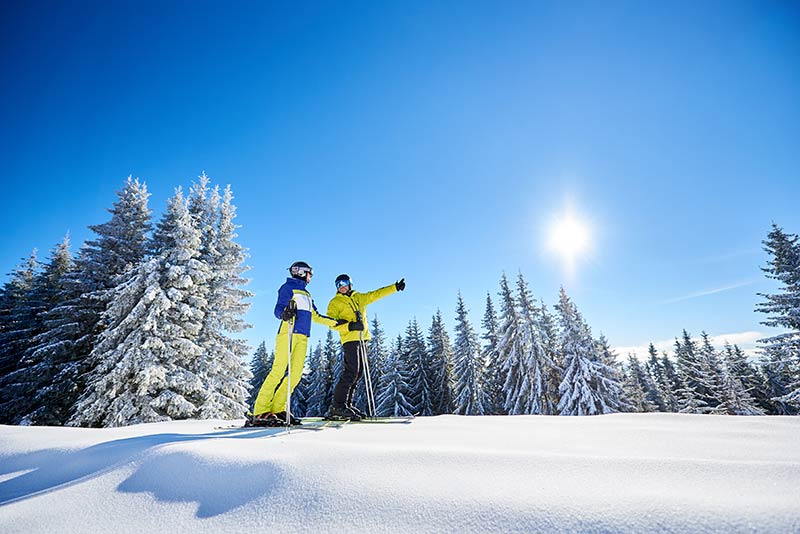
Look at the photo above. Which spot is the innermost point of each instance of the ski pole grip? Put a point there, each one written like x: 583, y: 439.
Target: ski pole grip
x: 358, y: 316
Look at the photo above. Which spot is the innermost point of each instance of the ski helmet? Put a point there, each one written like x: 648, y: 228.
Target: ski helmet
x: 299, y: 269
x: 343, y: 280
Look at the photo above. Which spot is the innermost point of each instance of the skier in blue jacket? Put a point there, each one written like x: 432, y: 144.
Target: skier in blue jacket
x: 294, y: 303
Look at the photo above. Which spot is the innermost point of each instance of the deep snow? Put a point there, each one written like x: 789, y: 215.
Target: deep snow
x: 624, y: 472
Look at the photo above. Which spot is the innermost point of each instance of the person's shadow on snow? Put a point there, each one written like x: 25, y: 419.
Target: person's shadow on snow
x: 172, y: 477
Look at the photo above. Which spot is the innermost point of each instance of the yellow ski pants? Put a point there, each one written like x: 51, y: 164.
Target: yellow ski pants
x: 272, y: 395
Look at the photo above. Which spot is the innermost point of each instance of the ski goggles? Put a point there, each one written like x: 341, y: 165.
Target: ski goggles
x: 301, y: 271
x: 342, y: 283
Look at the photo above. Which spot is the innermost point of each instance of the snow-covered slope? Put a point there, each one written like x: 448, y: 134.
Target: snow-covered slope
x: 631, y: 473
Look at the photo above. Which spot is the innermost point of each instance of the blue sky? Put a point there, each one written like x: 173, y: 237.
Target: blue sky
x: 430, y: 140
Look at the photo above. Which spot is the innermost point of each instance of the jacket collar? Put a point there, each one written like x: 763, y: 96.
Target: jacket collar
x: 296, y: 283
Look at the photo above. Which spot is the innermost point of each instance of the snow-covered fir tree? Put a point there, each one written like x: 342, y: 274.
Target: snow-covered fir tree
x: 672, y: 384
x: 637, y: 388
x: 392, y: 397
x: 260, y: 365
x: 20, y: 322
x: 526, y: 385
x: 740, y: 368
x: 656, y: 372
x: 17, y: 318
x: 611, y: 388
x: 75, y: 323
x: 35, y: 369
x: 440, y: 359
x: 147, y: 361
x: 510, y: 351
x: 547, y: 327
x: 223, y: 372
x: 711, y: 366
x: 301, y: 394
x: 318, y: 370
x: 492, y: 376
x: 694, y: 389
x: 420, y: 380
x: 735, y: 397
x: 782, y: 351
x: 585, y: 376
x: 468, y: 395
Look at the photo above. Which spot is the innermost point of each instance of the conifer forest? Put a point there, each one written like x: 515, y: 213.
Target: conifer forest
x: 142, y: 324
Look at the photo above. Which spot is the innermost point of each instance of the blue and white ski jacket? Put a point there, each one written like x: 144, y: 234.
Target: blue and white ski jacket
x: 294, y: 288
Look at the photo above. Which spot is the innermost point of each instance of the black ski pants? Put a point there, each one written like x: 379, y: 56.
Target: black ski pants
x: 353, y: 369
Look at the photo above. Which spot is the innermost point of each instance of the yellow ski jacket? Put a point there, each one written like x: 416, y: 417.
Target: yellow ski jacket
x: 345, y: 307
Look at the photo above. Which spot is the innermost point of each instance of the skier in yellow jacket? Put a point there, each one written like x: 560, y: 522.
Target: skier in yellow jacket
x: 351, y: 306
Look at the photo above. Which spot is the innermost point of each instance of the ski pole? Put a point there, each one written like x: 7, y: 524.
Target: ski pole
x: 367, y: 376
x: 368, y: 383
x: 289, y: 378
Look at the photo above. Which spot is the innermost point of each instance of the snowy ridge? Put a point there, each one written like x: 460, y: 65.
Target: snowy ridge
x: 624, y: 472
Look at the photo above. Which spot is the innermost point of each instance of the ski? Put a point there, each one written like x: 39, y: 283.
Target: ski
x: 321, y: 422
x: 282, y: 427
x: 366, y: 420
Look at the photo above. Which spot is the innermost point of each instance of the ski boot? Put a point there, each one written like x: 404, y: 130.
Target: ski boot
x: 267, y: 419
x: 342, y: 413
x: 359, y: 413
x: 295, y: 421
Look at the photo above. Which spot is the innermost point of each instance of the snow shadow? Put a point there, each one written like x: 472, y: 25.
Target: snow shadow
x: 217, y: 488
x: 51, y: 470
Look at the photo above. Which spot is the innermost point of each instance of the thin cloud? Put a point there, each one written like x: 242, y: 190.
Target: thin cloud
x: 709, y: 292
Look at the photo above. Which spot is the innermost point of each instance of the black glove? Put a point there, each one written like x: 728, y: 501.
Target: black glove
x: 401, y: 285
x: 340, y: 322
x: 355, y: 325
x: 289, y: 311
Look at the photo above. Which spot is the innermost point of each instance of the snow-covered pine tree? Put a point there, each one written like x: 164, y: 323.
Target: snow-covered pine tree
x: 74, y: 325
x: 440, y: 359
x: 492, y: 375
x: 468, y: 395
x: 319, y: 379
x: 11, y: 300
x: 20, y: 322
x: 583, y: 370
x: 260, y: 365
x: 526, y: 387
x: 392, y: 399
x: 301, y: 394
x: 17, y: 317
x: 637, y: 387
x: 611, y: 388
x: 735, y: 399
x: 146, y: 360
x: 712, y: 370
x: 222, y: 369
x: 672, y: 384
x: 694, y: 388
x: 781, y: 359
x: 35, y: 370
x: 548, y: 330
x: 420, y: 381
x: 741, y: 369
x: 510, y: 350
x: 656, y: 372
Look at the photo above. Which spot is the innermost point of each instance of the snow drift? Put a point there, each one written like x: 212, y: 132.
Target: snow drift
x: 624, y: 472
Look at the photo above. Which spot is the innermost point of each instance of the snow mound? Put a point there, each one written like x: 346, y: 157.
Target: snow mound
x: 613, y: 473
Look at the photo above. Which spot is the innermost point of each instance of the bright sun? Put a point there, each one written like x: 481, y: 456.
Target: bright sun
x: 569, y: 237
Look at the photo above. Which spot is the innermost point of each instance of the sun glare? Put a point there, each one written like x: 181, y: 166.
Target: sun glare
x: 569, y: 237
